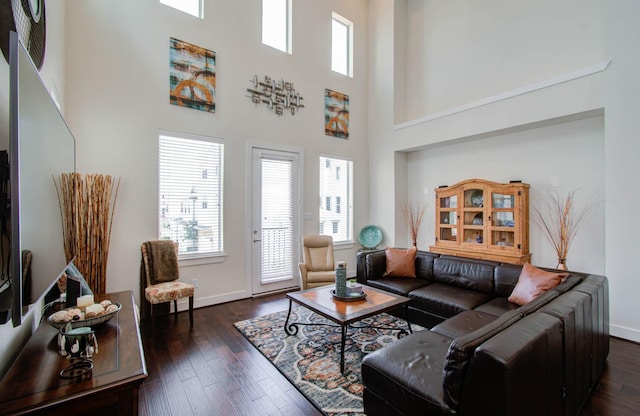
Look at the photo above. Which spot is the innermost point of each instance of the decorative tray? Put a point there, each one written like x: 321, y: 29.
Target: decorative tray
x: 85, y: 322
x: 370, y: 236
x: 352, y: 298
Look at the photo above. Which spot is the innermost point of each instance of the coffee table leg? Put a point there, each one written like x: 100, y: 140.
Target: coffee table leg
x: 406, y: 315
x: 342, y: 342
x: 293, y: 328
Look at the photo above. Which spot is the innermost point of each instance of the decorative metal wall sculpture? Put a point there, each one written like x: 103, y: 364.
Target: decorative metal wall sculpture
x: 278, y: 96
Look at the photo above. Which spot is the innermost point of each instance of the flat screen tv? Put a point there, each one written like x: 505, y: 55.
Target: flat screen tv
x: 41, y: 147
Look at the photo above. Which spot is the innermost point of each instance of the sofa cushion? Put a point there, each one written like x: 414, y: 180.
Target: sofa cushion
x: 474, y: 275
x: 462, y: 349
x: 424, y: 264
x: 445, y: 300
x: 505, y: 278
x: 321, y: 277
x: 400, y: 262
x: 408, y: 373
x: 398, y: 285
x: 532, y: 282
x: 463, y: 323
x: 497, y: 306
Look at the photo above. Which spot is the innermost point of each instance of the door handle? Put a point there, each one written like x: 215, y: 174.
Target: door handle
x: 256, y: 240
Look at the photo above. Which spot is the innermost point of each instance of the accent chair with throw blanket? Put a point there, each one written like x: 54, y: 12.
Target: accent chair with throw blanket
x: 159, y: 273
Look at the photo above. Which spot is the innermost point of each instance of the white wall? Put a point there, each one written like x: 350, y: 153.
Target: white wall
x: 580, y: 84
x: 117, y: 100
x: 447, y: 38
x: 500, y: 158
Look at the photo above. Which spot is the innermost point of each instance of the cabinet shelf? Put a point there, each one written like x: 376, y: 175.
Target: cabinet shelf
x: 482, y: 219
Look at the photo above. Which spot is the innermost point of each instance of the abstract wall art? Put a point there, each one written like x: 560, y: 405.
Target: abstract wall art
x: 192, y: 76
x: 336, y: 114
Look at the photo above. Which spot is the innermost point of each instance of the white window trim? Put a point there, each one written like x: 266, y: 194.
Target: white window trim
x: 349, y: 25
x: 289, y: 34
x: 345, y: 244
x: 200, y: 14
x: 188, y: 260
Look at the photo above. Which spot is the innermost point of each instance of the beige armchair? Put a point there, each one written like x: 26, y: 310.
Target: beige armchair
x: 318, y: 268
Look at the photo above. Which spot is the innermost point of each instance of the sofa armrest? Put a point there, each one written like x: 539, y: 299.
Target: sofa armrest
x: 376, y: 264
x: 517, y: 372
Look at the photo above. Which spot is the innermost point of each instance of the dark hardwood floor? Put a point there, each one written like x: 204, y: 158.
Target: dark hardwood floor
x: 212, y: 370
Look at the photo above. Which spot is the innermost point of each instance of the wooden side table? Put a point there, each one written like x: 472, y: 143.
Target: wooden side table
x: 33, y: 385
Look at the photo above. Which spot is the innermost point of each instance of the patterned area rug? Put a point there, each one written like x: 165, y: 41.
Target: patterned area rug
x: 311, y: 358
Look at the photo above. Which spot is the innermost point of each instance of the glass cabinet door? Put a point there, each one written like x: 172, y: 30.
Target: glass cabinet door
x: 473, y: 217
x: 448, y: 219
x: 502, y: 220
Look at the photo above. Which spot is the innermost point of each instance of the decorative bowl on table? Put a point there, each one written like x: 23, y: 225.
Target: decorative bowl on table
x: 351, y: 297
x: 62, y: 317
x: 370, y: 236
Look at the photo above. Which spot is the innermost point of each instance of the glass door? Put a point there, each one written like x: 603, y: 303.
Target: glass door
x: 275, y: 220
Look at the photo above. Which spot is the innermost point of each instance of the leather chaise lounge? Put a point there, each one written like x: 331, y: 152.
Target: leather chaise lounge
x: 484, y: 355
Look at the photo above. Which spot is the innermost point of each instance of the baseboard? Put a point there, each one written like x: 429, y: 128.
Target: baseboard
x: 630, y: 334
x: 198, y: 302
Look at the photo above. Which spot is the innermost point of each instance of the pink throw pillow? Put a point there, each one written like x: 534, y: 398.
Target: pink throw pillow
x: 533, y: 282
x: 400, y: 262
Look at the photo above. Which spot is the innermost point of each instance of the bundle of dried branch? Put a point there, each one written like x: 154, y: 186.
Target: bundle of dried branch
x: 413, y: 218
x: 87, y: 205
x: 560, y: 219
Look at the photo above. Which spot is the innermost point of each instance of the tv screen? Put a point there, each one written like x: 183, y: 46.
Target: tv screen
x: 41, y: 147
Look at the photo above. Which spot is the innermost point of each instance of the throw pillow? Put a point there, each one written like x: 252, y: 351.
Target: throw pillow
x: 400, y: 262
x: 533, y: 282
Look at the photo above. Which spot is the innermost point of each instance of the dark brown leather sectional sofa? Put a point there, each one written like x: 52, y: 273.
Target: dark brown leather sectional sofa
x: 484, y: 355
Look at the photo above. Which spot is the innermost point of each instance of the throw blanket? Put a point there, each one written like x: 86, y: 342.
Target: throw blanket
x: 160, y: 260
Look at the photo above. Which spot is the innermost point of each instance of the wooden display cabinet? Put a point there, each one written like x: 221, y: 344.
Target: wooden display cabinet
x: 483, y: 220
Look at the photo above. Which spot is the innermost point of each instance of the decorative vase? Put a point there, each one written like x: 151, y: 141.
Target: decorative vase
x: 562, y: 264
x: 341, y: 279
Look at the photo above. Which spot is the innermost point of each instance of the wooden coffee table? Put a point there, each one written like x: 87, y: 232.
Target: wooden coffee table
x: 344, y: 313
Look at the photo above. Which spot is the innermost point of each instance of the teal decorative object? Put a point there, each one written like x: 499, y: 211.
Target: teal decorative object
x: 341, y: 279
x: 370, y: 236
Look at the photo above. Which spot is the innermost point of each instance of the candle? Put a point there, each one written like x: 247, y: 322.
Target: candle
x: 84, y: 301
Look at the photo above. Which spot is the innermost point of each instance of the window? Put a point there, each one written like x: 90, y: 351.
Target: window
x: 342, y: 45
x: 190, y: 202
x: 192, y: 7
x: 339, y: 187
x: 276, y: 24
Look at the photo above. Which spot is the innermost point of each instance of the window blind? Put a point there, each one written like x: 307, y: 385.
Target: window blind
x: 277, y: 219
x: 191, y: 193
x: 336, y: 183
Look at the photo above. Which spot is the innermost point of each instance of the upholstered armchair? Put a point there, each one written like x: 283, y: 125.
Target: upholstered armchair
x: 318, y: 268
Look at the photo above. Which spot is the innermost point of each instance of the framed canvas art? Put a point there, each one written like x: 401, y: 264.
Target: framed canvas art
x: 192, y: 76
x: 336, y: 114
